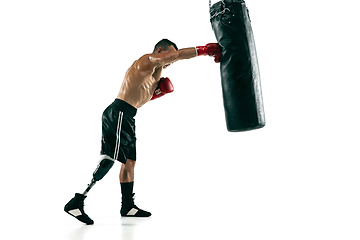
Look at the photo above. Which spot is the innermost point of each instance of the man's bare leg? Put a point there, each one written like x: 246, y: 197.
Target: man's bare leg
x: 127, y: 171
x: 126, y: 176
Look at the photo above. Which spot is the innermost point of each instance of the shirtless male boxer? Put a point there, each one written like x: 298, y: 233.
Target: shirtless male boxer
x: 141, y: 84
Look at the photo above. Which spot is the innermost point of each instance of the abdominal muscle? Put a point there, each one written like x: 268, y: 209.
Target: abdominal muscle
x: 135, y: 96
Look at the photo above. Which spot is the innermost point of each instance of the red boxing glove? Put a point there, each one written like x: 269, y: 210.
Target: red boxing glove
x: 211, y: 49
x: 165, y: 86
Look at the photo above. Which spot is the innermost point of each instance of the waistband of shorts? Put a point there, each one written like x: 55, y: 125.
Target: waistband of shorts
x: 220, y: 6
x: 125, y: 107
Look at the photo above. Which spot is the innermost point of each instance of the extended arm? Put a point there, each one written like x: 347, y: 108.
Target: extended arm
x: 151, y: 61
x: 163, y: 59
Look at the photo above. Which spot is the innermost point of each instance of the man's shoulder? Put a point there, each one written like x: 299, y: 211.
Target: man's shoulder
x: 144, y: 63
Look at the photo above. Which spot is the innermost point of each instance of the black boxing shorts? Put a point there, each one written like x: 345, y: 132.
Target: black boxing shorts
x: 118, y: 141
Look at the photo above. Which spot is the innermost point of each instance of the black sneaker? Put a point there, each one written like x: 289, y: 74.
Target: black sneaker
x: 75, y: 207
x: 129, y: 209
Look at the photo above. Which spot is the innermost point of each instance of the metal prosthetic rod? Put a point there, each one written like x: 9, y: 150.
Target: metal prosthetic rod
x: 89, y: 187
x: 101, y: 170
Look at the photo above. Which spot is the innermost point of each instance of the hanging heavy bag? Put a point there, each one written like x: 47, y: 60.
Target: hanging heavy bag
x: 239, y: 67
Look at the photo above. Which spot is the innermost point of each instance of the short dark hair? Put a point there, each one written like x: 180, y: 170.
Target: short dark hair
x: 165, y: 44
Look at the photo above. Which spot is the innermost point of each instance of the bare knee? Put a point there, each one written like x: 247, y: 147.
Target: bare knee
x: 130, y: 163
x: 128, y: 168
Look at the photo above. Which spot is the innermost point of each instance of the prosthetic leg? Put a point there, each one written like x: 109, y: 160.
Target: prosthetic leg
x: 101, y: 170
x: 75, y: 207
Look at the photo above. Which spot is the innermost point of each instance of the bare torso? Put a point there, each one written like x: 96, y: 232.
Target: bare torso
x: 142, y: 78
x: 139, y: 83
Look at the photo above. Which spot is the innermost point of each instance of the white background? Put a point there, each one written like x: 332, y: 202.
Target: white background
x: 62, y: 63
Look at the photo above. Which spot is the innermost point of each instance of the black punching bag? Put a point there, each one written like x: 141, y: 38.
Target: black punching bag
x: 239, y: 67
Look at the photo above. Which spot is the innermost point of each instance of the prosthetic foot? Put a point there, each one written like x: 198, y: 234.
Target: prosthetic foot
x: 129, y: 209
x: 75, y: 207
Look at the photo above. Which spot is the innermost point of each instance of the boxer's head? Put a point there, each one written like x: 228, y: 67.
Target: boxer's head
x: 165, y: 45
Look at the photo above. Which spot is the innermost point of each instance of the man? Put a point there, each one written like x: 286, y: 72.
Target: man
x: 141, y: 84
